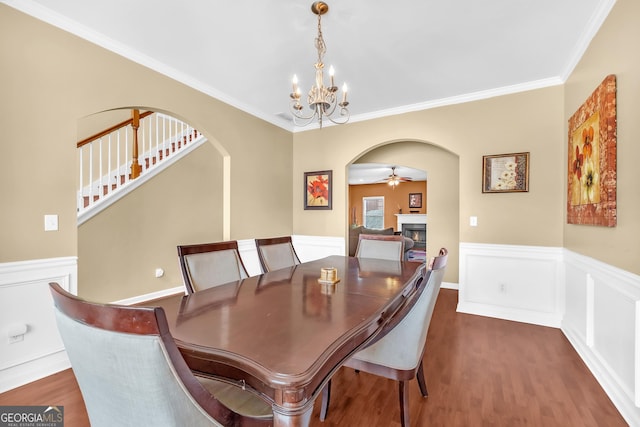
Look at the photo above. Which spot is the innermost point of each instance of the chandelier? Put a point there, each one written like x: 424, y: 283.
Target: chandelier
x: 322, y: 100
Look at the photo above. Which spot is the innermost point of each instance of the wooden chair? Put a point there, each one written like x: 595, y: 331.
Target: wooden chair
x: 210, y: 264
x: 276, y: 253
x: 398, y: 354
x: 380, y: 246
x: 131, y: 373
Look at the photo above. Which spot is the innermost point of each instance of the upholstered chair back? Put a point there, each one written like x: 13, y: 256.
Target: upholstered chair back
x: 402, y: 348
x: 130, y: 371
x: 398, y: 354
x: 390, y: 247
x: 276, y: 253
x: 210, y: 264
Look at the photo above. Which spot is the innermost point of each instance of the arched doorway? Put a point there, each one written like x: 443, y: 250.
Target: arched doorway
x: 121, y: 247
x: 442, y: 197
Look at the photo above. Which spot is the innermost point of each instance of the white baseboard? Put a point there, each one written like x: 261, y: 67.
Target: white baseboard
x: 449, y: 285
x: 151, y: 296
x: 34, y: 369
x: 606, y: 378
x: 596, y: 305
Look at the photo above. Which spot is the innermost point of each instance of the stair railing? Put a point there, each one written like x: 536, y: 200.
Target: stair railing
x: 114, y: 157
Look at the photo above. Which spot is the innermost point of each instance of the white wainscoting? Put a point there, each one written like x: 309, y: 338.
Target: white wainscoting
x: 308, y: 248
x: 521, y: 283
x: 25, y: 299
x: 602, y: 322
x: 600, y: 314
x: 597, y: 306
x: 249, y: 255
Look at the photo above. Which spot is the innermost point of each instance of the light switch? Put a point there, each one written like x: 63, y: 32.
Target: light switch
x: 51, y: 223
x: 473, y: 221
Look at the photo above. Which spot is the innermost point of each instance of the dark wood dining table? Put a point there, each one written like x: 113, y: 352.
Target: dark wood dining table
x: 284, y: 333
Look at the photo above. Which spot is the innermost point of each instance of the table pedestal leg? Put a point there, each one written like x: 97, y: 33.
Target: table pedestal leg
x: 299, y: 419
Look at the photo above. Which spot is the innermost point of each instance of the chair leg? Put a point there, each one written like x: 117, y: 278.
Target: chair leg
x: 404, y: 403
x: 421, y: 381
x: 326, y: 397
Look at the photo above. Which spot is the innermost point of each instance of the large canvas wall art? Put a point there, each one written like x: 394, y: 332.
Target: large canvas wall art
x: 592, y: 180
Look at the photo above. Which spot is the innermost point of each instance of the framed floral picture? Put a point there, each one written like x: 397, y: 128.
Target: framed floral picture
x: 505, y: 173
x: 591, y: 177
x: 317, y: 190
x: 415, y: 200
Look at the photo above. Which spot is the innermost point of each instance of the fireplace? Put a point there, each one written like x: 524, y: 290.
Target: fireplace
x: 417, y: 233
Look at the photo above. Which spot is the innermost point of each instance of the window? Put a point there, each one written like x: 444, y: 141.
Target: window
x: 373, y: 212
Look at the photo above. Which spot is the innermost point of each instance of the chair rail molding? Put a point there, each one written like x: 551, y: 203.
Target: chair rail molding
x: 26, y: 303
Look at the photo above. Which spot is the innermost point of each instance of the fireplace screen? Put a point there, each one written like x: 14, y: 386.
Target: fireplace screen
x: 417, y: 233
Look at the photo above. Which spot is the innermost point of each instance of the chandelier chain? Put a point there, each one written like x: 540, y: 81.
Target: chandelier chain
x: 320, y: 44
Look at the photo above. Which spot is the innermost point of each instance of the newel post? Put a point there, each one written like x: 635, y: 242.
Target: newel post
x: 136, y: 168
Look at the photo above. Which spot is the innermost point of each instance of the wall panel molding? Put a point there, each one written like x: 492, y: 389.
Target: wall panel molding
x: 520, y: 283
x: 597, y: 306
x: 40, y: 351
x: 602, y: 322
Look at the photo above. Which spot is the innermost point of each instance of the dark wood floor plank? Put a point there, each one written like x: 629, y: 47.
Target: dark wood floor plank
x: 59, y: 389
x: 479, y: 371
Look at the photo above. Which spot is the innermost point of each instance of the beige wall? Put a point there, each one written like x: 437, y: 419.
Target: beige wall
x: 120, y: 248
x: 613, y: 51
x: 528, y: 121
x: 443, y: 201
x: 51, y: 79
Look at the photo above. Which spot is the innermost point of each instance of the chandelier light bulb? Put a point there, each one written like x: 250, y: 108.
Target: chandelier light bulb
x: 331, y: 73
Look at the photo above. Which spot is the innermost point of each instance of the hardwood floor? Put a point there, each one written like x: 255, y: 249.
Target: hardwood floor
x: 479, y: 371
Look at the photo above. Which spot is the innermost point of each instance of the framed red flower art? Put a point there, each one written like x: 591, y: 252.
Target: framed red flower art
x: 591, y: 180
x: 317, y: 190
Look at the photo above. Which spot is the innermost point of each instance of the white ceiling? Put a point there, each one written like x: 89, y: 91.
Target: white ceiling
x: 370, y: 173
x: 395, y: 56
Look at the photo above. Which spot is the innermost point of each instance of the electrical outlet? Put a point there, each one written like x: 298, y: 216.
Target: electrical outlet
x: 503, y: 288
x: 16, y: 338
x: 473, y: 221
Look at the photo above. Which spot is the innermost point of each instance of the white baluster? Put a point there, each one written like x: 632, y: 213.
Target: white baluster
x: 118, y: 165
x: 90, y: 174
x: 109, y: 162
x: 141, y: 155
x: 175, y: 135
x: 101, y: 187
x: 126, y: 155
x: 81, y: 198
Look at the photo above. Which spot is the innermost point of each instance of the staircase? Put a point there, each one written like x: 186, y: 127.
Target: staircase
x: 119, y: 159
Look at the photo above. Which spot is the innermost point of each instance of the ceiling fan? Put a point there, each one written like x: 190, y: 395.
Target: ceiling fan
x: 394, y: 179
